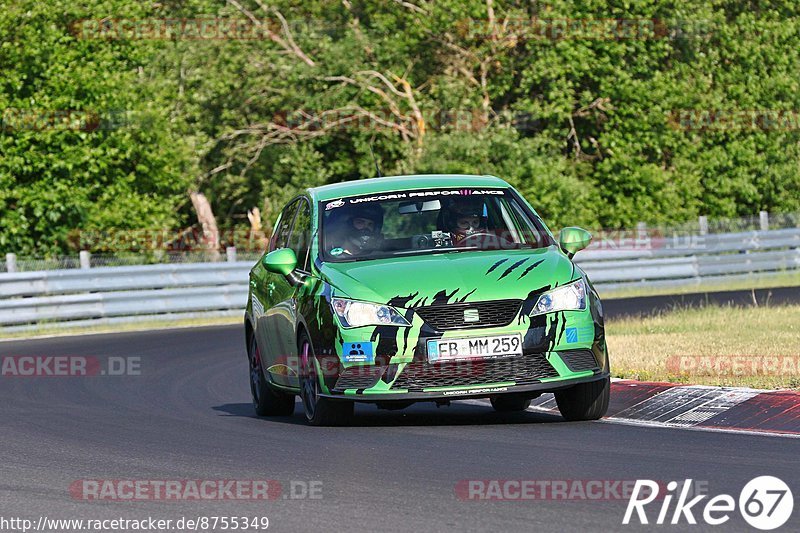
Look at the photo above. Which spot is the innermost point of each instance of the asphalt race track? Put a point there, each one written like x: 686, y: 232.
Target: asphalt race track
x: 188, y: 416
x: 650, y: 305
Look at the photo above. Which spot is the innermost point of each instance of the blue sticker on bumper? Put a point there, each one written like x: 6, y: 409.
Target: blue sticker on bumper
x: 572, y: 334
x: 358, y: 352
x: 581, y: 334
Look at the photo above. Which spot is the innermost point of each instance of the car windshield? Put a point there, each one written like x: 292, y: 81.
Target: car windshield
x: 427, y: 221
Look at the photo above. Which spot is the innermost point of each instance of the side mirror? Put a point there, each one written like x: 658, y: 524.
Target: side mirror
x: 282, y: 261
x: 572, y: 240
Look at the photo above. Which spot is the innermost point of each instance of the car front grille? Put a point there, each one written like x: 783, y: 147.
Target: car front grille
x: 523, y: 369
x: 496, y: 313
x: 358, y: 377
x: 578, y: 360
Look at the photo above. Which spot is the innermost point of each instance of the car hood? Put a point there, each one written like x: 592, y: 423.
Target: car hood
x: 449, y: 277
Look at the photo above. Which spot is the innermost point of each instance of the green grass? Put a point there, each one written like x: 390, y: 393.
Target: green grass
x: 640, y: 348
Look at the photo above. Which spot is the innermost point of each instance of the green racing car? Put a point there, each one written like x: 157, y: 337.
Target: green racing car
x: 402, y: 289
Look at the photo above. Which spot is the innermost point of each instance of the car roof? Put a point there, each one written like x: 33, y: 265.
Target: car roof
x: 395, y: 183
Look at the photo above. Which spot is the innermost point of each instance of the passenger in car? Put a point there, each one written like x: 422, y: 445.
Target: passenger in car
x: 355, y: 230
x: 463, y: 218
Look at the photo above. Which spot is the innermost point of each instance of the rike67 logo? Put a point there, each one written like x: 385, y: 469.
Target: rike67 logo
x: 765, y: 503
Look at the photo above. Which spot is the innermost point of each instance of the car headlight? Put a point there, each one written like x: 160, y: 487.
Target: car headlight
x: 570, y: 297
x: 354, y: 314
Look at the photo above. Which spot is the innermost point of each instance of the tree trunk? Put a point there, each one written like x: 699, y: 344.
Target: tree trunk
x: 258, y: 239
x: 209, y: 224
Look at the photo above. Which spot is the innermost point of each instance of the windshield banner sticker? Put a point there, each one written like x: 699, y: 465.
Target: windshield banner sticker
x: 333, y: 205
x: 421, y: 194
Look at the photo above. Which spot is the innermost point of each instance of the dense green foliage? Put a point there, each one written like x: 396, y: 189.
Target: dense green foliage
x: 695, y: 113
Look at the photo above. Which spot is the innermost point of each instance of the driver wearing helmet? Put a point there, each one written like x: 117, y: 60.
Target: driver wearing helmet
x: 354, y: 230
x: 464, y: 218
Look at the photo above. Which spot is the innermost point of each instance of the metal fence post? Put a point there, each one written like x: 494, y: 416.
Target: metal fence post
x: 86, y: 259
x: 230, y: 251
x: 763, y: 219
x: 703, y: 221
x: 11, y: 262
x: 641, y: 240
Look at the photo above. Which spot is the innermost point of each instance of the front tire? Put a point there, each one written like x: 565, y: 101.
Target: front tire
x: 266, y: 400
x: 319, y: 411
x: 585, y: 401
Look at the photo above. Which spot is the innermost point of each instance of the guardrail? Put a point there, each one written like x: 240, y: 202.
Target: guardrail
x: 107, y: 292
x: 683, y: 260
x: 220, y: 288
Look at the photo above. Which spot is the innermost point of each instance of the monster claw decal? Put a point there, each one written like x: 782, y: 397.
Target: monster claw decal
x: 386, y: 336
x: 420, y: 302
x: 494, y: 266
x: 464, y: 298
x: 552, y: 331
x: 561, y: 331
x: 531, y: 267
x: 441, y: 297
x: 513, y: 267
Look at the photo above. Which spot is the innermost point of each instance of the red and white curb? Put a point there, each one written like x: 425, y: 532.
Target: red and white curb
x: 698, y: 407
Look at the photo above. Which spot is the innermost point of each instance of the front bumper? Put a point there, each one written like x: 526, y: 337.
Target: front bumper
x: 529, y: 372
x: 469, y: 392
x: 390, y: 363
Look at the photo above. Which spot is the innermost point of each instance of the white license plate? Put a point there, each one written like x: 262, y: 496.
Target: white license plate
x: 469, y: 348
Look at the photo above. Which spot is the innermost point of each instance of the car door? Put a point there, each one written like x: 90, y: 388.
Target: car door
x: 273, y: 311
x: 299, y: 239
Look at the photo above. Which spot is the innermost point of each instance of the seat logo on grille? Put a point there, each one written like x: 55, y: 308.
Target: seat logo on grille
x: 471, y: 315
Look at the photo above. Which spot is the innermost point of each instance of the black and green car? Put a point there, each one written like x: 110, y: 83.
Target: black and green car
x: 435, y: 288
